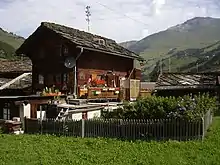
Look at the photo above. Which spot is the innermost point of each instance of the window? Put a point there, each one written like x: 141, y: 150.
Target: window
x: 65, y: 50
x: 65, y: 78
x: 44, y: 107
x: 84, y: 115
x: 6, y: 111
x: 82, y: 75
x: 40, y: 79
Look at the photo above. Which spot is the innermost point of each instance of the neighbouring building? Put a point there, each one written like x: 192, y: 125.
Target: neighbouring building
x: 179, y: 84
x: 16, y: 98
x: 15, y: 80
x: 15, y: 77
x: 147, y: 88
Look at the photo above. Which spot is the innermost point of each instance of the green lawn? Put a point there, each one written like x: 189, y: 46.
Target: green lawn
x: 29, y: 149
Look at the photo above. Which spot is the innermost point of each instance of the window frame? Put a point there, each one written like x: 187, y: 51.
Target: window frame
x: 6, y: 111
x: 41, y: 79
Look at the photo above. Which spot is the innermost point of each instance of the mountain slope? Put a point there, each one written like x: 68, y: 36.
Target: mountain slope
x: 206, y: 59
x: 196, y: 33
x: 9, y: 42
x: 127, y: 44
x: 11, y: 39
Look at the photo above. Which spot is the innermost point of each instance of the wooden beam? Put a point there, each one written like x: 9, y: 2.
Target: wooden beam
x: 32, y: 102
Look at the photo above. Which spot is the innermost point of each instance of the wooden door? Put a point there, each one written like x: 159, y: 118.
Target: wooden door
x: 34, y: 111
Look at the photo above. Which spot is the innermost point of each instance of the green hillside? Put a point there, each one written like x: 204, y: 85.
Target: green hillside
x: 205, y: 59
x: 181, y: 40
x: 127, y: 44
x: 9, y: 42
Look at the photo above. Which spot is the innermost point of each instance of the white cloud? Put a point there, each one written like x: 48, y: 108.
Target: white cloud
x: 117, y: 19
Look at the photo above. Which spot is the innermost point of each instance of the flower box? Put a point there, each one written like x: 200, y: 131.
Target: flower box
x: 52, y: 94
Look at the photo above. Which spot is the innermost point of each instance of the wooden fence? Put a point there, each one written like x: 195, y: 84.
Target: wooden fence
x: 162, y: 129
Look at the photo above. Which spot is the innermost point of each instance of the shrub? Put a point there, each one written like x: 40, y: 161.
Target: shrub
x: 186, y: 107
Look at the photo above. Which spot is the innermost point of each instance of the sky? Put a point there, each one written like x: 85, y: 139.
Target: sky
x: 121, y: 20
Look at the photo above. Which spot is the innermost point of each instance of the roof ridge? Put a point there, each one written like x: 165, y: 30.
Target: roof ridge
x: 47, y: 24
x: 85, y: 39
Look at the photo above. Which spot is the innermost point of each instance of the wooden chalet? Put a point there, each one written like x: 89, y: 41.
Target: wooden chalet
x: 101, y: 64
x: 179, y: 84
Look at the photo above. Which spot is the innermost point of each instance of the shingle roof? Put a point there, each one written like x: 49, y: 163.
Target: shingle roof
x: 15, y: 65
x: 88, y: 40
x: 24, y: 82
x: 4, y: 81
x: 183, y: 80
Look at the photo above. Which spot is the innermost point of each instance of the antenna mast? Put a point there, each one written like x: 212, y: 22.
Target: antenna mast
x: 88, y: 14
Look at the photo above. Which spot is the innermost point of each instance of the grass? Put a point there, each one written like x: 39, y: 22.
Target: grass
x: 11, y: 39
x: 8, y: 44
x: 42, y: 149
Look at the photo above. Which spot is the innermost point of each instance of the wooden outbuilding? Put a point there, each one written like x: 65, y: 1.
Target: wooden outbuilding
x: 179, y: 84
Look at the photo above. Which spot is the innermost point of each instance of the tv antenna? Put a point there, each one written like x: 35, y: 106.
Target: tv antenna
x: 88, y: 14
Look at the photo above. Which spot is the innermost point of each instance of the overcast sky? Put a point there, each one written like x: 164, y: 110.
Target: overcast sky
x: 120, y: 20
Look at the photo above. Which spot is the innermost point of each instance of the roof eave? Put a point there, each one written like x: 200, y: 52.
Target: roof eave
x: 159, y: 88
x: 107, y: 52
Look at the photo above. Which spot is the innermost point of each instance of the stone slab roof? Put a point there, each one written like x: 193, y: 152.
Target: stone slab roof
x: 15, y: 66
x: 86, y: 40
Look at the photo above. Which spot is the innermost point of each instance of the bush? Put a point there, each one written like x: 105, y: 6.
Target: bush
x: 186, y: 107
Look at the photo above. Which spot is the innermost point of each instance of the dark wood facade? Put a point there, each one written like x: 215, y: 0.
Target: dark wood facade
x: 48, y: 51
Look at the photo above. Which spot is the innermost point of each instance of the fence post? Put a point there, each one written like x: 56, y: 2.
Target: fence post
x: 121, y: 128
x: 83, y: 128
x: 41, y: 119
x: 203, y: 128
x: 25, y: 124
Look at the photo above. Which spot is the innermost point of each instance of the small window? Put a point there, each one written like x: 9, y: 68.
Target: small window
x: 41, y: 79
x: 6, y: 111
x: 44, y: 107
x: 65, y: 50
x: 84, y: 115
x: 65, y: 78
x: 82, y: 75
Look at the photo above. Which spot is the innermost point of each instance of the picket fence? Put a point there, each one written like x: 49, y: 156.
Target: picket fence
x: 161, y: 129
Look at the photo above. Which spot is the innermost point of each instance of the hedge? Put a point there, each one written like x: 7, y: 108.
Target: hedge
x: 187, y: 107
